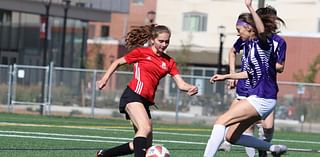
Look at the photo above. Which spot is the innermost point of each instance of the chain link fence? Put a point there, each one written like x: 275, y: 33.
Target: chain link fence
x: 72, y: 92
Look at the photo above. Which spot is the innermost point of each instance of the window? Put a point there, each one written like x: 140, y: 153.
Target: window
x: 195, y: 22
x: 9, y: 58
x: 5, y: 16
x: 138, y: 1
x: 105, y: 31
x: 5, y: 60
x: 319, y: 25
x: 13, y: 60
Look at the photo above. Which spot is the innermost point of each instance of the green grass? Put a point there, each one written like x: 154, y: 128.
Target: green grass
x: 39, y: 136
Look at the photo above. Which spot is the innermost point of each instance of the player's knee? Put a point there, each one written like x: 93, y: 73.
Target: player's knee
x: 231, y: 139
x: 146, y: 129
x: 223, y: 119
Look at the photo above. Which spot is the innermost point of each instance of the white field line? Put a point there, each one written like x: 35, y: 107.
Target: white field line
x: 64, y: 137
x: 58, y: 138
x: 105, y: 128
x: 81, y: 137
x: 120, y: 129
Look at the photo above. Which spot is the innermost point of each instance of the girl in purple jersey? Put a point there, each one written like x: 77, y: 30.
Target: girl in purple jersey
x: 266, y: 127
x: 261, y: 72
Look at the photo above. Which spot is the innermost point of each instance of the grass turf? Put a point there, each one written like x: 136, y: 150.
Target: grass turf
x: 38, y: 136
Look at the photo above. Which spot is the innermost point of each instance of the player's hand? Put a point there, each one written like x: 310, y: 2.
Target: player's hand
x: 248, y: 3
x: 231, y: 84
x: 100, y: 84
x: 217, y: 77
x: 192, y: 91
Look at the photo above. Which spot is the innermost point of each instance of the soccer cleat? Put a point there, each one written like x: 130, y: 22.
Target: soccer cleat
x: 279, y: 150
x: 262, y: 153
x: 225, y: 146
x: 100, y: 153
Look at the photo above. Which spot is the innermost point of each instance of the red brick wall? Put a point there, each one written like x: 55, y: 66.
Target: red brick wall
x: 110, y: 54
x: 121, y: 23
x: 301, y: 52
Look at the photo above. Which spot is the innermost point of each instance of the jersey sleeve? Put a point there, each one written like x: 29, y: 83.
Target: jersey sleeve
x: 173, y: 69
x: 282, y: 52
x: 265, y: 42
x: 133, y: 56
x: 238, y: 45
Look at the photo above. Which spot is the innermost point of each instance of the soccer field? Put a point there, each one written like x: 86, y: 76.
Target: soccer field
x: 43, y: 136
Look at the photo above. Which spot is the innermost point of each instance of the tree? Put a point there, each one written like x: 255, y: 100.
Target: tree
x: 310, y: 76
x: 310, y: 103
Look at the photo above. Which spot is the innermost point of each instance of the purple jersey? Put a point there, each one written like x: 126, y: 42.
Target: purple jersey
x: 280, y: 46
x: 246, y: 87
x: 242, y: 85
x: 261, y: 69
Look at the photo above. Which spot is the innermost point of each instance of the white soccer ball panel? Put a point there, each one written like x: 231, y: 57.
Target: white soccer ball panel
x: 157, y: 151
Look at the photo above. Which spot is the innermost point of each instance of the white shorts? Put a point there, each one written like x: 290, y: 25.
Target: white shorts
x: 239, y: 97
x: 263, y: 106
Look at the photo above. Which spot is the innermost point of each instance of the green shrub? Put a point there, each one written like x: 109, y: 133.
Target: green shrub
x: 62, y: 95
x: 75, y: 112
x: 30, y: 93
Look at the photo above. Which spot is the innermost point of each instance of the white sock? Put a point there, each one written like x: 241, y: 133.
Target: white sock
x: 251, y: 141
x: 215, y: 140
x: 260, y: 131
x: 251, y: 152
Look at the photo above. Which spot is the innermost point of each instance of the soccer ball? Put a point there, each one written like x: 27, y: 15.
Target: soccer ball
x: 157, y: 151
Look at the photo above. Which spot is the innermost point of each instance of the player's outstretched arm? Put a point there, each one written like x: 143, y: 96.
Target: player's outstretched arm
x: 232, y: 67
x: 184, y: 86
x: 236, y: 76
x: 103, y: 81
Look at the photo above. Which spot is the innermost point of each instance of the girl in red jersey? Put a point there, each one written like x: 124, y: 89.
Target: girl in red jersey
x: 150, y: 65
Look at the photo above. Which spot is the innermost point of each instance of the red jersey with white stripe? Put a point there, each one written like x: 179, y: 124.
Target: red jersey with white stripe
x: 148, y: 70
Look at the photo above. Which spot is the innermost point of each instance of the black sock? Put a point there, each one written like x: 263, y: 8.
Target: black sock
x: 268, y: 134
x: 140, y: 146
x: 123, y: 149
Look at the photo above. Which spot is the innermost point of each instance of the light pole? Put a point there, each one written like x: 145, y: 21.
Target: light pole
x: 220, y: 84
x: 66, y: 7
x: 45, y: 43
x: 221, y: 31
x: 83, y: 44
x: 45, y: 47
x: 84, y: 25
x: 261, y: 3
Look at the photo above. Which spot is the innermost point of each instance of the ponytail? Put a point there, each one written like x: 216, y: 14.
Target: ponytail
x: 140, y: 35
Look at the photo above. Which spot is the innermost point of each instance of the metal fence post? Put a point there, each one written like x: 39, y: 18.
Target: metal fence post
x: 93, y: 94
x: 177, y: 104
x: 44, y: 105
x: 50, y: 74
x: 13, y: 85
x: 10, y: 72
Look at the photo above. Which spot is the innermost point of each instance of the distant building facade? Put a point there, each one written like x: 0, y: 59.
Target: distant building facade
x: 22, y: 29
x: 195, y: 24
x: 109, y: 36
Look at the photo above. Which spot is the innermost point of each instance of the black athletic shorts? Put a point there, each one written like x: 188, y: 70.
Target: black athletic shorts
x: 129, y: 96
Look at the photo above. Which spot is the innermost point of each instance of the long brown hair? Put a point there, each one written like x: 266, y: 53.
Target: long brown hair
x: 270, y: 19
x: 270, y: 22
x: 140, y: 35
